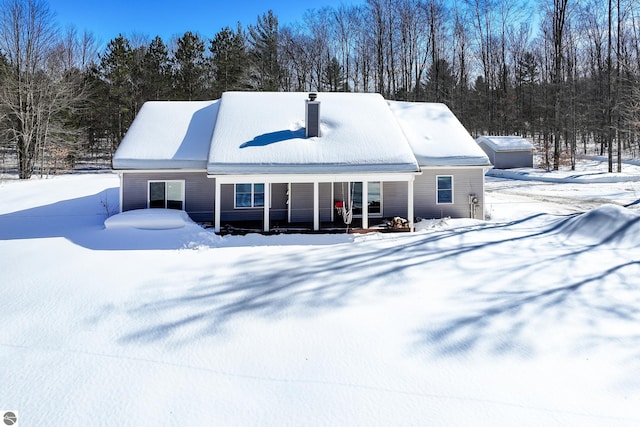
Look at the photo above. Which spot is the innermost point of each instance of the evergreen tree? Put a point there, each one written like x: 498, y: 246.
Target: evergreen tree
x: 440, y: 82
x: 527, y: 77
x: 190, y: 82
x: 263, y: 53
x: 156, y: 72
x: 334, y: 79
x: 116, y: 66
x: 229, y: 59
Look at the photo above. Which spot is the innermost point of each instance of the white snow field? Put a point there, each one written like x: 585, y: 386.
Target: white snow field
x: 530, y: 319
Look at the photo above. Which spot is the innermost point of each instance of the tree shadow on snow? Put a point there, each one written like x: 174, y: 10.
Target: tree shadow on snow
x: 509, y: 299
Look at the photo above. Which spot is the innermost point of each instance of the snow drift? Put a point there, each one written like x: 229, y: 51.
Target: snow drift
x: 608, y: 224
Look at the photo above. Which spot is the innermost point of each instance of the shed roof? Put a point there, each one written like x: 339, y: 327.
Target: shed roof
x: 506, y: 143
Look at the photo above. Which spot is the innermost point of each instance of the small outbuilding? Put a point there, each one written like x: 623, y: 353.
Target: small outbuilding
x: 506, y: 152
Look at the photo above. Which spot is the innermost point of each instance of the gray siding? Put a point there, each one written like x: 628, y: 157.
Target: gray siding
x: 513, y: 159
x: 199, y: 192
x: 465, y: 182
x: 325, y: 201
x: 301, y: 199
x: 508, y: 159
x: 394, y: 199
x: 279, y: 209
x: 488, y: 151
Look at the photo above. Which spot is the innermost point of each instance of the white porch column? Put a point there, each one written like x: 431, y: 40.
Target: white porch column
x: 365, y: 204
x: 289, y: 203
x: 333, y: 201
x: 410, y: 214
x: 316, y: 206
x: 267, y: 205
x: 121, y: 196
x: 216, y: 207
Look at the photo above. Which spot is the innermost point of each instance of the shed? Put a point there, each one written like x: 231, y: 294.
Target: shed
x: 506, y: 152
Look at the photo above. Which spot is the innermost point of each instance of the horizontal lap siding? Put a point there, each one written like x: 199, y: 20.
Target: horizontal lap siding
x: 301, y: 200
x: 394, y: 199
x: 199, y: 192
x: 326, y: 202
x: 465, y: 182
x: 490, y: 152
x: 279, y: 209
x: 513, y: 159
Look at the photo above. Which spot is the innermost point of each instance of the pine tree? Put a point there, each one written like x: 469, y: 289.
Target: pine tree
x: 229, y: 59
x: 440, y: 82
x: 189, y: 76
x: 116, y: 66
x: 263, y: 53
x: 334, y: 79
x: 156, y: 72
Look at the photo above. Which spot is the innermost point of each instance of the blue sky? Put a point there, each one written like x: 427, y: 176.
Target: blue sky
x: 106, y: 19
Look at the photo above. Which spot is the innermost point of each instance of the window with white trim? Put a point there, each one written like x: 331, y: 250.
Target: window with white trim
x: 249, y: 196
x: 166, y: 194
x: 444, y: 189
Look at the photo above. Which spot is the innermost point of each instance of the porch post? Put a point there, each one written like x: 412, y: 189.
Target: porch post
x: 289, y: 203
x: 365, y: 204
x: 121, y: 196
x: 216, y: 207
x: 267, y: 203
x: 410, y: 209
x: 333, y: 203
x: 316, y: 206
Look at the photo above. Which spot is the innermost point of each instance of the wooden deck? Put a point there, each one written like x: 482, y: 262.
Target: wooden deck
x: 246, y: 227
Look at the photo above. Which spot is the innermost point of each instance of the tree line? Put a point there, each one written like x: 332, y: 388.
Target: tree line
x: 565, y: 73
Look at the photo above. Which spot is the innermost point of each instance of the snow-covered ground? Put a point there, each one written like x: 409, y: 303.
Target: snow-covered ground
x: 532, y: 318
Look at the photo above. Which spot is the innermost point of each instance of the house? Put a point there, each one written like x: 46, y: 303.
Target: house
x: 285, y: 159
x: 506, y: 152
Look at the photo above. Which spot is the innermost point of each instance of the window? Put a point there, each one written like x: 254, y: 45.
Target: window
x: 444, y: 189
x: 166, y: 194
x: 249, y: 196
x: 374, y: 198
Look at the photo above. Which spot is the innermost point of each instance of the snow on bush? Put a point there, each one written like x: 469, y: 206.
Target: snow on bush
x: 149, y: 219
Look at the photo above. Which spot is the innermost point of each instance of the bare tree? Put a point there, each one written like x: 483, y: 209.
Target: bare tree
x: 36, y: 88
x: 558, y: 20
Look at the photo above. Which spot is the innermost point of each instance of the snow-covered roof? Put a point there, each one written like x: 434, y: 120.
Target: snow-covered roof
x: 436, y: 136
x: 260, y: 132
x: 506, y: 143
x: 264, y: 133
x: 168, y: 135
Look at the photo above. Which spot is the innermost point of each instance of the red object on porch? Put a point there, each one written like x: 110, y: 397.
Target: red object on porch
x: 339, y: 204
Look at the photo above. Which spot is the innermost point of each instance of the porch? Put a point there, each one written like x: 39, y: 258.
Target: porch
x: 337, y: 227
x: 311, y: 203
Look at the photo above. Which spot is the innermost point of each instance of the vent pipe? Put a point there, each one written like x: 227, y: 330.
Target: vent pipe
x: 312, y: 116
